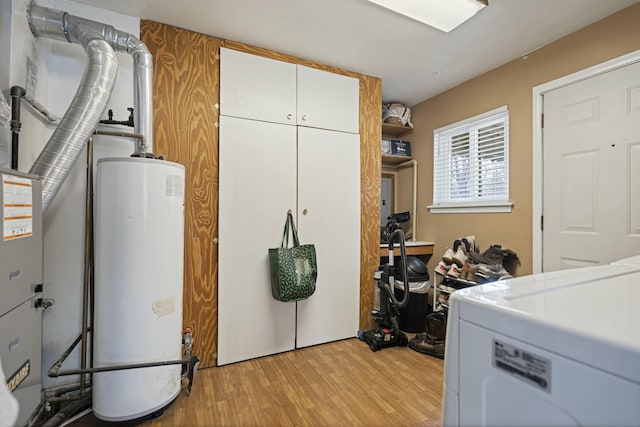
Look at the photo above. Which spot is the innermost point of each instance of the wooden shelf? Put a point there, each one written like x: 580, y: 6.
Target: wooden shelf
x: 394, y: 160
x: 412, y: 248
x: 395, y: 130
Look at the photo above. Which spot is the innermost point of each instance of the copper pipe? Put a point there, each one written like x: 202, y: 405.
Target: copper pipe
x: 55, y: 368
x: 121, y: 367
x: 122, y: 134
x: 88, y: 260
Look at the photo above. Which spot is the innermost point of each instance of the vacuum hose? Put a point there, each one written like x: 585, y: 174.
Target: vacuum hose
x: 398, y: 235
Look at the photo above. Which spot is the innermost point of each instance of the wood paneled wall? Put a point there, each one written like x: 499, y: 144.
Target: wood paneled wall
x: 185, y: 91
x: 185, y: 95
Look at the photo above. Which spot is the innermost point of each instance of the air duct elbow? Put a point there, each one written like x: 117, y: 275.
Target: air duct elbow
x: 79, y: 122
x: 120, y: 41
x: 77, y: 125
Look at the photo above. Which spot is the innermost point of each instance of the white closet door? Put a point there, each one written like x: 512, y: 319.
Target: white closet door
x: 329, y: 217
x: 327, y: 100
x: 258, y: 88
x: 257, y: 187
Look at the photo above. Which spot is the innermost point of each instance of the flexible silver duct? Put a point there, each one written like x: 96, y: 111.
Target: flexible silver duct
x: 80, y: 120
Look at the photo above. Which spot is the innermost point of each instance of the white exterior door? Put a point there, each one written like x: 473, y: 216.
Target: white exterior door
x: 591, y: 143
x: 257, y: 187
x: 329, y: 217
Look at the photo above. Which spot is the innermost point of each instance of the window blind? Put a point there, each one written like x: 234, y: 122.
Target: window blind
x: 471, y: 160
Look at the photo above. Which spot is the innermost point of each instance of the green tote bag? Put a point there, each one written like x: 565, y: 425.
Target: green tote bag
x: 293, y: 270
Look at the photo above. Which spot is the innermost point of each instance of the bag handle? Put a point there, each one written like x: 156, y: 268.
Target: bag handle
x: 285, y: 235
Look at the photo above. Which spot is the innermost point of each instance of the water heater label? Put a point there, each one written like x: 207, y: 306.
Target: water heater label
x: 522, y: 364
x: 175, y: 186
x: 17, y: 212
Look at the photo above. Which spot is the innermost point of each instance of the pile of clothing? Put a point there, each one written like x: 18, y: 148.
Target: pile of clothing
x: 465, y: 262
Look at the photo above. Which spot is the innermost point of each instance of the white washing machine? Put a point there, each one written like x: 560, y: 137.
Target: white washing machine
x: 551, y: 349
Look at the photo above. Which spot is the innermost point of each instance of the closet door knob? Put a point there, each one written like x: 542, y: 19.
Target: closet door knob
x: 289, y: 116
x: 305, y: 211
x: 304, y: 117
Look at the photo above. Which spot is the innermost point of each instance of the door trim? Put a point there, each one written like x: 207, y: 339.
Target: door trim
x: 538, y: 109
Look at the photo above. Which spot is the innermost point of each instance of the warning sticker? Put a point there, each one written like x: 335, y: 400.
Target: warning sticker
x: 17, y: 213
x: 522, y: 364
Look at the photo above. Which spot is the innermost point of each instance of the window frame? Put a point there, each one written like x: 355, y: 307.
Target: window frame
x: 475, y: 204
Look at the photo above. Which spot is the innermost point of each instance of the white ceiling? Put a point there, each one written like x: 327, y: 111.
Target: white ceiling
x: 414, y: 61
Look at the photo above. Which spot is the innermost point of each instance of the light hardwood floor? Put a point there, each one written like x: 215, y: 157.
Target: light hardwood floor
x: 337, y: 384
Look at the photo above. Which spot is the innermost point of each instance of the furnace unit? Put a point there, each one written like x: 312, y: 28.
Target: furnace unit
x: 21, y: 288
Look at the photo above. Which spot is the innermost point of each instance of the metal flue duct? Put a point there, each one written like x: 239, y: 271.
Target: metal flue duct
x: 99, y: 41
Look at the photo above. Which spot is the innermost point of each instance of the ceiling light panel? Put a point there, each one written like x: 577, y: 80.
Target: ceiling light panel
x: 444, y: 15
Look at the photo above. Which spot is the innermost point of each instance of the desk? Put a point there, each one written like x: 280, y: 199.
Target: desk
x: 413, y: 249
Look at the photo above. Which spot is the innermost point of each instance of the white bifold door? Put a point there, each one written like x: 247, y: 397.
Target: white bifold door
x: 257, y: 187
x: 329, y: 217
x: 265, y: 170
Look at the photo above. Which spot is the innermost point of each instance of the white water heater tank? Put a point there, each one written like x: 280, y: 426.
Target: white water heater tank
x: 139, y: 246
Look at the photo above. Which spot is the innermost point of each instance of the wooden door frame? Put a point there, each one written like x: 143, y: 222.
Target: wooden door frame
x: 538, y: 164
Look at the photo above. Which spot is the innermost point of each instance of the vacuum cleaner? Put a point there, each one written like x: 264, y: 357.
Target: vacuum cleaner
x: 386, y: 307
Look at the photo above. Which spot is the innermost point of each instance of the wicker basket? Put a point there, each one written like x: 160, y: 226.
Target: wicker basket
x: 393, y: 121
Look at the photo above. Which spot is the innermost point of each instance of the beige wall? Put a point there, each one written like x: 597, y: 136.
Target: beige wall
x: 511, y: 84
